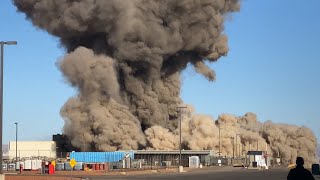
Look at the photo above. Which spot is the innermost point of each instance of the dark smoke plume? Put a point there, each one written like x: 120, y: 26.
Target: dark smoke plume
x: 125, y: 58
x: 145, y: 45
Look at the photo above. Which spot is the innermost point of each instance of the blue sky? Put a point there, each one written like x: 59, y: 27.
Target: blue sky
x: 271, y: 70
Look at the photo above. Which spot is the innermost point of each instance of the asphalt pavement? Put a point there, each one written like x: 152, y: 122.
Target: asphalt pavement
x: 221, y: 173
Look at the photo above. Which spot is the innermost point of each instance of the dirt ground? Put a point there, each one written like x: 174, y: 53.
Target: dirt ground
x: 62, y: 175
x: 91, y: 173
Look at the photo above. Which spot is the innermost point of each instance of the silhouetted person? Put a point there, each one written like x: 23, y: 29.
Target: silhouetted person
x: 299, y: 172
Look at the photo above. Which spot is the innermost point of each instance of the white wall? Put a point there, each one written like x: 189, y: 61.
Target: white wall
x: 32, y: 148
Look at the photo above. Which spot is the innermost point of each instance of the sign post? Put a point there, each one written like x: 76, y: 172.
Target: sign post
x: 53, y: 163
x: 266, y: 159
x: 72, y: 163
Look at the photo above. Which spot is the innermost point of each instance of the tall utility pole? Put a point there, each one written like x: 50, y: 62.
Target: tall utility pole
x: 2, y: 43
x: 237, y: 144
x: 232, y: 149
x: 244, y: 148
x: 16, y: 143
x: 245, y: 152
x: 266, y: 156
x: 219, y: 142
x: 180, y: 147
x: 239, y: 148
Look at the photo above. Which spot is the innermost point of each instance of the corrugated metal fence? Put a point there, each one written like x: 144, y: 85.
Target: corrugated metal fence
x: 100, y: 157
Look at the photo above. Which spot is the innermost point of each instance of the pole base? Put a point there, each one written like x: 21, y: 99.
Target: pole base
x: 2, y: 177
x: 180, y: 168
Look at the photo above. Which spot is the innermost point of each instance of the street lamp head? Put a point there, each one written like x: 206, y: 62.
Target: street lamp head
x: 11, y: 42
x: 16, y: 123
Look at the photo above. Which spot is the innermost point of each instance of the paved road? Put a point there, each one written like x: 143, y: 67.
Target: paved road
x: 215, y: 174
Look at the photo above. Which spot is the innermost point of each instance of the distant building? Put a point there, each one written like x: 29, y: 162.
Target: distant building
x: 259, y: 159
x: 63, y: 145
x: 171, y: 157
x: 28, y: 149
x: 148, y: 158
x: 5, y: 150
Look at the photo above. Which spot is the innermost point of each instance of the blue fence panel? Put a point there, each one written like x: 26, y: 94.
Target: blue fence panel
x: 100, y: 157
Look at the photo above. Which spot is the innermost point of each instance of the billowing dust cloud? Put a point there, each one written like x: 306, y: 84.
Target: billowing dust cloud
x: 125, y: 58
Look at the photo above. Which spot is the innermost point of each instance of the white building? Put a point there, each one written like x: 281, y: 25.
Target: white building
x: 27, y: 149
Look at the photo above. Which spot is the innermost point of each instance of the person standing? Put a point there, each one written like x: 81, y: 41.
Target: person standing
x: 299, y: 172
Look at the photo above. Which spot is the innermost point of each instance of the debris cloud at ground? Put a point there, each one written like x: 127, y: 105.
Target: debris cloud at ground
x: 125, y: 58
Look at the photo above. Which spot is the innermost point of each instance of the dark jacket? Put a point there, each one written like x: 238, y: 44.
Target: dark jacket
x: 300, y: 173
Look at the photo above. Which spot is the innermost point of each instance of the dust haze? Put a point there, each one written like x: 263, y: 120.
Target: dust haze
x: 125, y: 58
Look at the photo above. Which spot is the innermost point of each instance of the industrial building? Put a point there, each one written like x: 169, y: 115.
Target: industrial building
x: 148, y: 158
x: 30, y: 153
x: 258, y: 159
x: 61, y: 149
x: 29, y: 149
x: 171, y: 157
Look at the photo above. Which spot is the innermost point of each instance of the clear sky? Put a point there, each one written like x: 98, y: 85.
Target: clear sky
x: 272, y: 69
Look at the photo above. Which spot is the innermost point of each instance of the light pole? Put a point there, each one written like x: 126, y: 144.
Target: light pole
x: 180, y: 111
x: 2, y: 43
x: 16, y: 142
